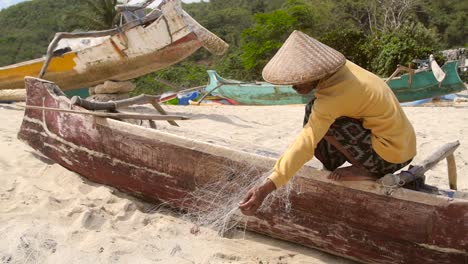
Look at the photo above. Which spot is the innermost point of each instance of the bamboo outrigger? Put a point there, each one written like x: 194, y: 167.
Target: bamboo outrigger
x: 356, y: 220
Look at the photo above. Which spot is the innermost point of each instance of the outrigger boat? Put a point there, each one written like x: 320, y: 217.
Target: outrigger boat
x: 364, y: 221
x: 144, y: 44
x: 412, y: 86
x: 423, y: 84
x: 254, y: 93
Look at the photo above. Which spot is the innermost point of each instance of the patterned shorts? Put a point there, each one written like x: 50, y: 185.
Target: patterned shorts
x: 356, y: 140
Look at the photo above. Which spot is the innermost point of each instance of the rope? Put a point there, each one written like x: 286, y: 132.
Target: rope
x: 395, y: 183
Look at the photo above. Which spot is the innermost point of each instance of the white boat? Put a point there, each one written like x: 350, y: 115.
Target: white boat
x: 143, y: 44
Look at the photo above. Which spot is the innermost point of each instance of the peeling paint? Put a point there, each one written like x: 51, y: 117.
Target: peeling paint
x: 348, y: 219
x: 90, y: 152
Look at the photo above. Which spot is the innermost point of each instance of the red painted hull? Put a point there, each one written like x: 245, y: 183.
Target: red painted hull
x: 353, y: 220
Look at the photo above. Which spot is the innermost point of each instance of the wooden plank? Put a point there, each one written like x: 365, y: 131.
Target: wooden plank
x: 110, y: 115
x: 158, y: 107
x: 417, y: 171
x: 91, y: 105
x: 13, y: 95
x: 452, y: 171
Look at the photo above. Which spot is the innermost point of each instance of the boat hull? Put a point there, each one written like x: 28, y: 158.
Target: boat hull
x: 353, y: 220
x: 138, y: 51
x: 423, y: 85
x: 260, y: 93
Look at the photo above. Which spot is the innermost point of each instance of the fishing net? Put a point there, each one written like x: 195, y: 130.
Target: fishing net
x: 215, y: 204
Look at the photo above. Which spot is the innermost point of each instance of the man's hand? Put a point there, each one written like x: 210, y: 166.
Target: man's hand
x: 255, y: 196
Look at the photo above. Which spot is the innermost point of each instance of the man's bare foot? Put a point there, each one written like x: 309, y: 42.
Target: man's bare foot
x: 351, y: 173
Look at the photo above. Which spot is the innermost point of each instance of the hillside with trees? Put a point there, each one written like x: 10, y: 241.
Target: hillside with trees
x: 375, y: 34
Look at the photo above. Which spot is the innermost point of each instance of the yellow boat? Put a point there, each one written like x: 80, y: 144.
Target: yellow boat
x: 143, y: 45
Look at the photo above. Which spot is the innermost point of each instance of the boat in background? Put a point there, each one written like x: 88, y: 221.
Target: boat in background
x: 423, y: 84
x: 414, y: 86
x: 254, y: 93
x: 159, y: 39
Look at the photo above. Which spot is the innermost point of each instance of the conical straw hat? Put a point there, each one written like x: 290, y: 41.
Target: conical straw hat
x: 302, y: 59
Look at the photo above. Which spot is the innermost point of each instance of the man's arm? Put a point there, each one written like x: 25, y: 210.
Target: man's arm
x: 301, y: 151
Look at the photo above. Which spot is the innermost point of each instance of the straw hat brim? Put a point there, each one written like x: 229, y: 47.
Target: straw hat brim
x: 302, y: 59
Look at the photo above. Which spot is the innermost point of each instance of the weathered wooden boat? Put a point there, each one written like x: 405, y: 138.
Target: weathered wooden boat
x: 145, y: 44
x: 356, y: 220
x: 254, y: 93
x: 407, y: 87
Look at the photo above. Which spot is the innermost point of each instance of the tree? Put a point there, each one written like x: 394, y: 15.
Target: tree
x: 270, y: 30
x: 387, y: 49
x: 351, y: 43
x: 27, y: 27
x: 95, y: 14
x: 448, y: 17
x: 372, y: 16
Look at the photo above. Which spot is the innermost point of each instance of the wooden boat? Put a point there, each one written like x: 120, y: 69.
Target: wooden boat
x: 162, y: 38
x: 254, y: 93
x: 407, y: 88
x: 423, y: 84
x: 356, y: 220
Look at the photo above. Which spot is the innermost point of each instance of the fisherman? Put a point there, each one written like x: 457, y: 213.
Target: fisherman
x: 355, y: 117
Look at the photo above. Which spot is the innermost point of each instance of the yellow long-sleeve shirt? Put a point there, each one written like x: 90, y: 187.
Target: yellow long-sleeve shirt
x: 356, y: 93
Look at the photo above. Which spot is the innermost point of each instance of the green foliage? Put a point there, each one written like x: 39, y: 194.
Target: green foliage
x: 390, y: 48
x: 270, y: 30
x: 95, y: 14
x: 351, y: 43
x: 262, y: 41
x: 27, y: 28
x: 186, y: 74
x: 449, y: 19
x: 255, y: 30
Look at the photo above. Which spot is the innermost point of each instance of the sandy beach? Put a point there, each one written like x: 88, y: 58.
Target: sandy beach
x: 51, y: 215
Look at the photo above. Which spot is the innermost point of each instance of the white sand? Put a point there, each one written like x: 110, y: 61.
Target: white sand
x: 51, y: 215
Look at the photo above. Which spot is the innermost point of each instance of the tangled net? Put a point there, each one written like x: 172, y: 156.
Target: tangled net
x: 215, y: 204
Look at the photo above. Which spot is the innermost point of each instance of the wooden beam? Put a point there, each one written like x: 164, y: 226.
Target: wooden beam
x: 432, y: 160
x: 208, y: 93
x: 110, y: 115
x: 90, y: 105
x: 452, y: 171
x: 417, y: 171
x: 395, y: 73
x: 13, y: 95
x: 158, y: 107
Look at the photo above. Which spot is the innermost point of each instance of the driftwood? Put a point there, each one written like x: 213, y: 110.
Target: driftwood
x: 351, y: 219
x: 110, y: 115
x: 417, y: 171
